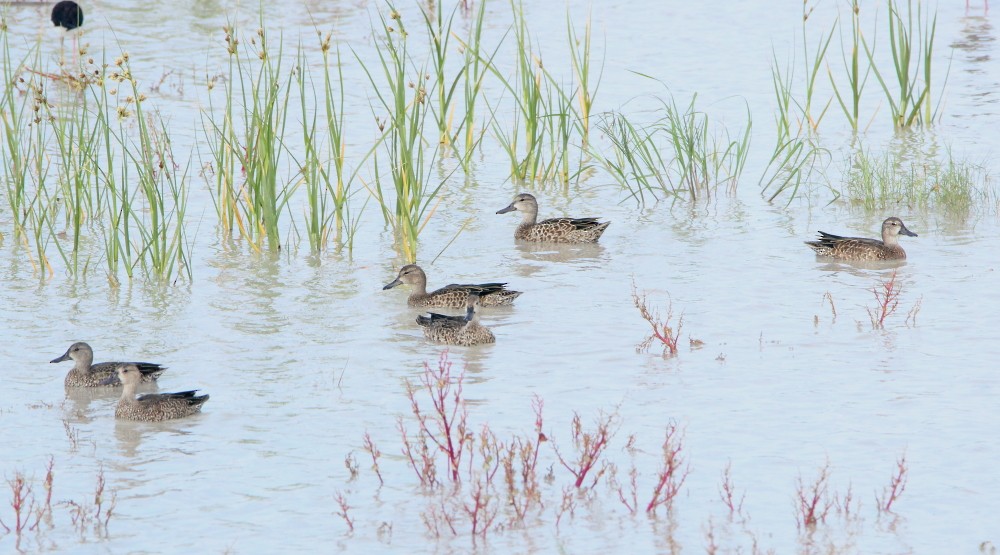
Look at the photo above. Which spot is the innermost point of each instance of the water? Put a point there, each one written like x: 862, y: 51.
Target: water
x: 303, y: 354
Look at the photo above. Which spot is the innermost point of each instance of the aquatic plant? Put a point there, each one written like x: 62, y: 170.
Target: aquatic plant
x: 251, y: 137
x: 439, y: 35
x: 890, y: 179
x: 813, y: 500
x: 475, y: 64
x: 328, y: 179
x: 586, y: 92
x: 33, y: 512
x: 796, y: 156
x: 673, y: 471
x: 402, y: 93
x: 856, y: 78
x: 727, y: 493
x: 376, y: 454
x: 546, y: 121
x: 813, y: 68
x: 887, y: 293
x: 897, y: 485
x: 699, y: 162
x: 445, y: 426
x: 663, y: 328
x: 911, y: 43
x: 589, y: 445
x: 157, y: 232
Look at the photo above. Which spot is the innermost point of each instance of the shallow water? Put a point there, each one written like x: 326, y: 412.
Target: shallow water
x: 303, y: 354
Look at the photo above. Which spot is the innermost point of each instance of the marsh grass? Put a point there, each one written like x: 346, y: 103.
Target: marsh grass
x: 547, y: 126
x: 251, y: 135
x: 439, y: 35
x: 475, y: 66
x: 86, y: 166
x: 328, y: 179
x: 815, y: 62
x: 677, y: 156
x: 876, y: 181
x: 587, y: 84
x: 796, y: 156
x: 404, y: 96
x: 849, y: 97
x: 911, y: 44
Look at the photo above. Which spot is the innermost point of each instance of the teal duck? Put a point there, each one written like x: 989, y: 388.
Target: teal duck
x: 553, y: 230
x: 87, y: 374
x: 152, y: 407
x: 450, y: 296
x: 457, y: 330
x: 859, y: 248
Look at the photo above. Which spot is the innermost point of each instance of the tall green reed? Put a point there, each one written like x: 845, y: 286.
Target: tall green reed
x: 796, y: 155
x: 327, y: 177
x: 587, y: 84
x: 474, y: 70
x: 20, y: 128
x: 251, y: 135
x: 911, y: 44
x: 403, y: 95
x: 439, y: 36
x: 850, y: 98
x: 677, y: 156
x: 547, y: 124
x: 814, y: 65
x: 141, y: 186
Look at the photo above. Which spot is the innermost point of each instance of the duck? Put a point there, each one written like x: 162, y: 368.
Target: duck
x: 860, y: 248
x: 87, y: 374
x: 450, y: 296
x: 552, y: 230
x: 152, y: 407
x: 457, y: 330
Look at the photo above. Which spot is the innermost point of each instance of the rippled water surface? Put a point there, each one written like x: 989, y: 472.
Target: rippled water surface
x: 303, y: 354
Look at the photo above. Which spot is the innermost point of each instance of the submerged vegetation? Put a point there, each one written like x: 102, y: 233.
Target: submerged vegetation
x: 93, y: 179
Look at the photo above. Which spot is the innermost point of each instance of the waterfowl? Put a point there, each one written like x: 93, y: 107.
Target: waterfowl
x: 152, y: 407
x: 67, y: 14
x: 457, y: 330
x: 450, y: 296
x: 553, y: 230
x: 859, y: 248
x: 87, y: 374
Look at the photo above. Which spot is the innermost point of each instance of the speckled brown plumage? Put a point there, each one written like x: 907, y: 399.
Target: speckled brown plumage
x: 87, y: 374
x: 859, y: 248
x: 450, y: 296
x: 552, y: 230
x: 457, y: 330
x: 153, y: 407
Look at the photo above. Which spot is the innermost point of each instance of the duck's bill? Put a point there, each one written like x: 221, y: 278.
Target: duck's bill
x: 392, y: 284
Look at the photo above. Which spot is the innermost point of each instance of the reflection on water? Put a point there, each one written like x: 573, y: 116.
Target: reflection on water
x: 976, y: 41
x: 583, y: 253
